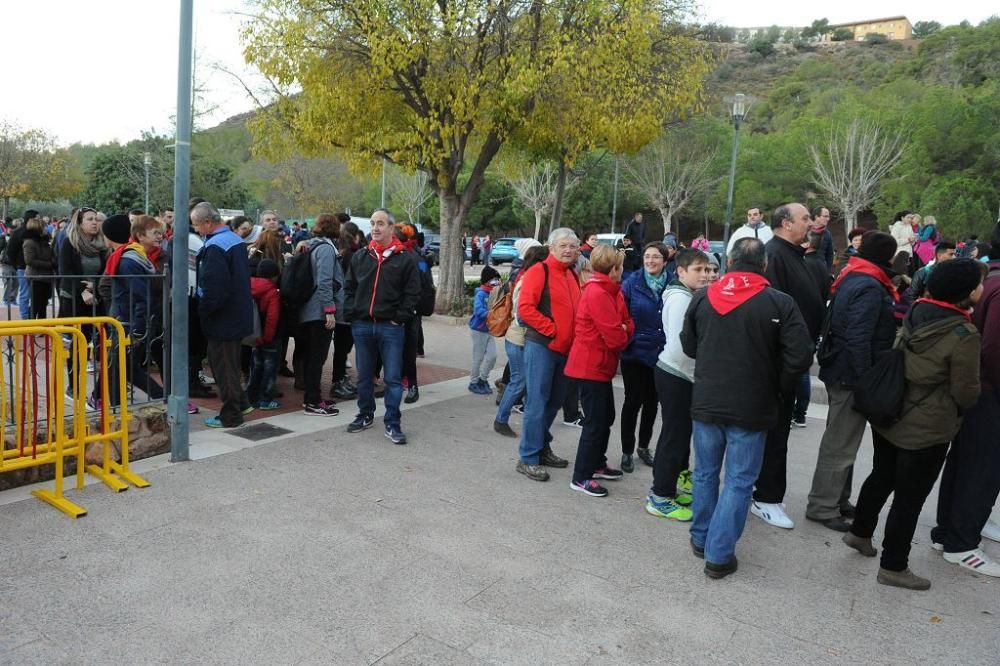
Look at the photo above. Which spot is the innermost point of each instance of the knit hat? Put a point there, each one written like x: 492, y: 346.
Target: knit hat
x: 953, y: 281
x: 489, y: 274
x: 877, y: 247
x: 267, y: 269
x: 522, y: 245
x: 117, y: 228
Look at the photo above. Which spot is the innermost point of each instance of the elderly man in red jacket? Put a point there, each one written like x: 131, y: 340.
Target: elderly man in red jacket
x: 603, y: 329
x: 550, y: 291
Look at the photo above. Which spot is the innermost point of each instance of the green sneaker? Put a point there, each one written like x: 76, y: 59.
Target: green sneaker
x: 683, y: 499
x: 664, y: 507
x: 684, y: 482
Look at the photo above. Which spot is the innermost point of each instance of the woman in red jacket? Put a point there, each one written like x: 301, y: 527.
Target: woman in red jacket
x: 603, y: 329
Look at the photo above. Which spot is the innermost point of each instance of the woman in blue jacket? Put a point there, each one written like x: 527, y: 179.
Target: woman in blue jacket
x: 643, y: 292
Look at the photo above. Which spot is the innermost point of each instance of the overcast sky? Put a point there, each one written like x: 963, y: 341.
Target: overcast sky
x: 105, y: 70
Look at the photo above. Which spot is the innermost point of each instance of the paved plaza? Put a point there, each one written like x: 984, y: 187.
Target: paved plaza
x: 321, y: 547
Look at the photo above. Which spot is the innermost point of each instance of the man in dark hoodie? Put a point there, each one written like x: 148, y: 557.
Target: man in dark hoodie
x: 862, y: 326
x: 970, y: 483
x: 751, y: 346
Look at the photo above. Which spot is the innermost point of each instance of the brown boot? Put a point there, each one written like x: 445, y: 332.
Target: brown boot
x: 905, y: 579
x: 860, y: 544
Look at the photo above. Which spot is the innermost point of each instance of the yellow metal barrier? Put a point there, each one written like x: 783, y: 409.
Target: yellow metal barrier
x: 26, y: 402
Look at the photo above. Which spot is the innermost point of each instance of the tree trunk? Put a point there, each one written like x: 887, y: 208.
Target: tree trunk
x: 667, y: 215
x: 451, y: 280
x: 6, y: 206
x: 538, y: 224
x: 557, y: 207
x: 850, y: 221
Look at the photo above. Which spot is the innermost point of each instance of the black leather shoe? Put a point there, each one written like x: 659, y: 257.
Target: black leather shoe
x: 412, y: 395
x: 837, y: 524
x: 698, y: 551
x: 847, y: 510
x: 285, y: 371
x: 645, y: 455
x: 717, y: 571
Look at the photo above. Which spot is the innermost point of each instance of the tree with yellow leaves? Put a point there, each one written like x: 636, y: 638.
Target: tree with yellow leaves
x: 441, y: 85
x: 32, y: 167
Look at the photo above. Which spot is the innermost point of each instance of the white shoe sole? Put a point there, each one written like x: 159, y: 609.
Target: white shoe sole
x: 974, y: 563
x: 760, y: 514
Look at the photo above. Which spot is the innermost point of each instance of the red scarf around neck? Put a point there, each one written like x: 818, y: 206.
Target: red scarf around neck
x: 947, y: 306
x: 734, y: 289
x: 383, y: 252
x: 858, y: 265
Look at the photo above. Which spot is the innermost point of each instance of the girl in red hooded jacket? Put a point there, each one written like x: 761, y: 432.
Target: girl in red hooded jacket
x: 603, y: 329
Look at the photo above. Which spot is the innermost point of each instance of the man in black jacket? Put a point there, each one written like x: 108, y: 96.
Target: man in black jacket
x: 751, y: 346
x: 381, y: 294
x: 15, y: 252
x: 787, y: 272
x: 862, y: 326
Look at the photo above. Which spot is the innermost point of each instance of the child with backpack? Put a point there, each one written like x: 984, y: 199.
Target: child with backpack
x: 484, y: 351
x: 264, y: 356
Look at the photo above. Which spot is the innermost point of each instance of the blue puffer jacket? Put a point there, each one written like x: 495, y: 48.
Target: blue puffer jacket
x: 225, y: 305
x: 645, y: 308
x: 861, y: 327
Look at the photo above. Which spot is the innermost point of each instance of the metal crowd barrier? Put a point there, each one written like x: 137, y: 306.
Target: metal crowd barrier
x: 33, y: 402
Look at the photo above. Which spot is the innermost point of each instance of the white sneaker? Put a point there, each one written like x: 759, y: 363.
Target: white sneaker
x: 975, y: 560
x: 772, y: 514
x: 992, y: 530
x: 205, y: 379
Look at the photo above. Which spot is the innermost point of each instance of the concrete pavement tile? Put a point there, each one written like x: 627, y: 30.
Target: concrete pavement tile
x: 248, y: 639
x: 753, y: 646
x: 424, y: 650
x: 517, y: 645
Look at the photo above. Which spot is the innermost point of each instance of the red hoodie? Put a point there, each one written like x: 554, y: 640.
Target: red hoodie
x: 265, y: 295
x: 553, y: 328
x: 603, y: 330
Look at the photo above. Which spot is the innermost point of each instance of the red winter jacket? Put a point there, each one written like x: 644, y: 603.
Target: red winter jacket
x: 265, y: 295
x: 550, y: 324
x: 603, y: 329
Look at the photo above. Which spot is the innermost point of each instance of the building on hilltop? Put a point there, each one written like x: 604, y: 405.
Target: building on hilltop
x: 894, y: 28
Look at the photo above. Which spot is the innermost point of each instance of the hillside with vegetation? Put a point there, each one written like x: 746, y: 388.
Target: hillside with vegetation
x: 940, y: 94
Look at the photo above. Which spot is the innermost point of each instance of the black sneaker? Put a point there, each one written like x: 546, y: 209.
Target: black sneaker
x: 504, y: 429
x: 343, y: 390
x: 589, y: 487
x: 361, y: 422
x: 645, y: 456
x: 320, y: 409
x: 412, y: 395
x: 605, y: 472
x: 699, y: 551
x: 717, y: 571
x: 395, y: 435
x: 285, y: 371
x: 549, y: 459
x: 627, y: 465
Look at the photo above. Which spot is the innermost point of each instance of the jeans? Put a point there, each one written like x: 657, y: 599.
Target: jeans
x: 719, y: 519
x: 263, y: 373
x: 770, y: 486
x: 803, y: 393
x: 598, y: 400
x: 673, y: 449
x: 831, y: 484
x: 970, y: 483
x: 374, y: 340
x: 484, y: 356
x: 909, y: 476
x: 515, y: 387
x: 23, y: 295
x: 546, y: 388
x: 640, y: 396
x: 224, y: 357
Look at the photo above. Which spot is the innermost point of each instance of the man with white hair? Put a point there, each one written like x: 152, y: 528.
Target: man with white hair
x: 550, y: 292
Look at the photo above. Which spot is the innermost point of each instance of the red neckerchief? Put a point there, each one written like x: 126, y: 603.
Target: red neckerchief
x: 734, y: 289
x: 115, y: 258
x: 153, y: 255
x: 383, y: 252
x: 948, y: 306
x: 858, y: 265
x: 486, y: 287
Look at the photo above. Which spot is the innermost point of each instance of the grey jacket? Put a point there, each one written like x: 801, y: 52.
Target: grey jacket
x: 328, y: 278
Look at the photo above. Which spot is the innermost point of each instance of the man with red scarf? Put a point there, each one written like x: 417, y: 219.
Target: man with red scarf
x: 751, y: 345
x: 862, y: 327
x: 381, y: 294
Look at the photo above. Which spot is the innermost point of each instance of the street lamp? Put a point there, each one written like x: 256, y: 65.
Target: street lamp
x: 740, y: 105
x: 147, y: 161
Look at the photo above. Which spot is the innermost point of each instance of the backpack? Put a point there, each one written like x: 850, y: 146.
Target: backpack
x: 297, y: 285
x: 428, y: 292
x: 824, y: 345
x: 499, y: 310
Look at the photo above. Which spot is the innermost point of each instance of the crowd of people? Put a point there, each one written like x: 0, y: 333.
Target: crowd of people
x: 907, y: 340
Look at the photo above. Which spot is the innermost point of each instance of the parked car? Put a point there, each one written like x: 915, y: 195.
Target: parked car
x: 503, y: 251
x: 609, y: 239
x: 432, y: 247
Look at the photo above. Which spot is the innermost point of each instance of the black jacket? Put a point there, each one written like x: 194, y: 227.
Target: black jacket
x: 386, y: 292
x: 15, y: 247
x: 746, y: 359
x: 862, y: 326
x: 818, y: 268
x: 787, y: 271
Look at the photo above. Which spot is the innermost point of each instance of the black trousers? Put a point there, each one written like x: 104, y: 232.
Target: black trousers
x: 197, y: 344
x: 224, y: 357
x: 598, y: 400
x: 41, y: 292
x: 673, y: 448
x: 315, y: 340
x: 410, y: 352
x: 343, y: 343
x: 770, y: 486
x: 909, y: 476
x: 571, y: 401
x: 640, y: 395
x: 970, y: 483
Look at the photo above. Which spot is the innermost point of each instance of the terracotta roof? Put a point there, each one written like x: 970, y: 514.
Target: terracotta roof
x: 879, y: 20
